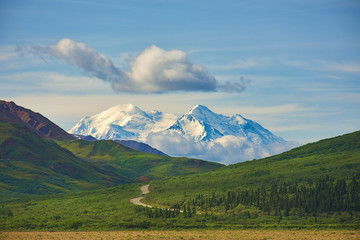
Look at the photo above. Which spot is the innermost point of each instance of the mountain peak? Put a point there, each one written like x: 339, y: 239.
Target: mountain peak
x: 205, y: 115
x: 200, y: 109
x: 123, y: 122
x: 205, y: 125
x: 129, y: 107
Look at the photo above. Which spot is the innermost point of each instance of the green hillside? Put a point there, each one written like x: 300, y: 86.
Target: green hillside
x: 331, y: 165
x: 30, y: 164
x: 135, y: 164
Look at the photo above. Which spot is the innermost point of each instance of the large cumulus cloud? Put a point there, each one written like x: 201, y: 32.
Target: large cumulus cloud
x: 152, y: 71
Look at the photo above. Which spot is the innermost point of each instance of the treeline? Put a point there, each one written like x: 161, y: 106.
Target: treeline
x: 160, y: 213
x: 186, y: 211
x: 324, y: 195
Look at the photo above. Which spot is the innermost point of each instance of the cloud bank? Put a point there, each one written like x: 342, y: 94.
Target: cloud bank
x: 152, y: 71
x: 225, y: 150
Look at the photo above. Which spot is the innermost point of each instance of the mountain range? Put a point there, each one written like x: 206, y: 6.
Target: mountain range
x: 198, y: 133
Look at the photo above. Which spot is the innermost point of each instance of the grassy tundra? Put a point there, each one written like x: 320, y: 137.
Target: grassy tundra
x: 207, y: 234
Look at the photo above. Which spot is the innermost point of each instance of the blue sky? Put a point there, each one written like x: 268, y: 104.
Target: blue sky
x: 297, y: 62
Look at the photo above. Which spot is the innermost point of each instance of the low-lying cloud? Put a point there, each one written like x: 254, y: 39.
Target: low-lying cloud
x: 153, y: 71
x: 226, y: 150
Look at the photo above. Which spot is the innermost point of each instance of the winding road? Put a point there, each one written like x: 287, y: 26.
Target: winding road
x: 144, y: 190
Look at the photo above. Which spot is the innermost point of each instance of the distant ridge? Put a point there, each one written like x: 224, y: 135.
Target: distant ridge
x: 35, y: 122
x: 143, y: 147
x: 140, y: 147
x: 82, y: 137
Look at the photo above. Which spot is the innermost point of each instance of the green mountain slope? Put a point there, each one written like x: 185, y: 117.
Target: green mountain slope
x: 30, y: 164
x: 135, y: 164
x: 336, y: 157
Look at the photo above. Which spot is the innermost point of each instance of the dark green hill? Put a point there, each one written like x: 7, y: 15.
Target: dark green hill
x: 33, y: 165
x: 135, y: 164
x: 335, y: 158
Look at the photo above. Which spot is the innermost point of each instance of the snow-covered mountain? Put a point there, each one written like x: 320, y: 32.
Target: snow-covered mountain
x: 199, y: 133
x: 123, y: 122
x: 204, y: 125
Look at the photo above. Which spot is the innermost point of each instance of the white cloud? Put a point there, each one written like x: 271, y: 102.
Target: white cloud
x: 7, y: 52
x: 157, y: 70
x: 11, y: 58
x: 226, y: 150
x: 152, y: 71
x: 244, y: 63
x: 297, y: 127
x: 266, y: 110
x: 51, y: 82
x: 4, y: 56
x: 341, y: 67
x: 321, y: 65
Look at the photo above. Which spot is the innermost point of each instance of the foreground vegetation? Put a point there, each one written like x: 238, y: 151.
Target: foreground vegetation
x: 110, y: 209
x: 336, y: 157
x: 202, y: 234
x: 316, y: 186
x: 319, y: 181
x: 103, y: 209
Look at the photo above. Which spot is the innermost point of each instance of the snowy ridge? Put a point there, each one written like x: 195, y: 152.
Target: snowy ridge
x: 204, y: 125
x: 123, y: 122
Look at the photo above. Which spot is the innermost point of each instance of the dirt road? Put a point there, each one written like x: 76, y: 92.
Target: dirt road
x: 144, y: 190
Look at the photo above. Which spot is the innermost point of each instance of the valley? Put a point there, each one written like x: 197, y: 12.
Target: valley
x: 213, y: 120
x: 69, y: 184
